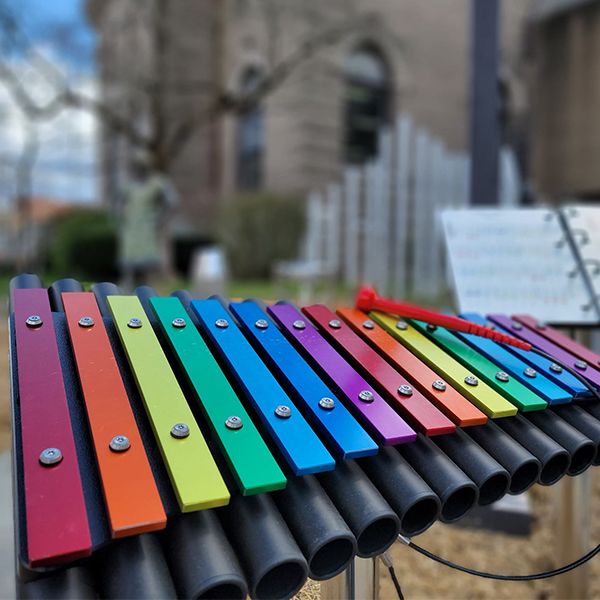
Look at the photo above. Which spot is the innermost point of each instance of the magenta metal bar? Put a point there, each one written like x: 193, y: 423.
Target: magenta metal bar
x: 522, y: 331
x: 57, y: 522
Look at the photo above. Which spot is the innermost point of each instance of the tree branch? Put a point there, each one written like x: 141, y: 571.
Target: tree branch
x: 64, y: 95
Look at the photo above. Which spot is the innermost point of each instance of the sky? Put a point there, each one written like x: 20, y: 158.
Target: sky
x: 66, y: 165
x: 63, y: 21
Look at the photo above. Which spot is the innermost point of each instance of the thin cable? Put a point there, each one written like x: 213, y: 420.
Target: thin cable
x: 386, y: 559
x: 396, y: 583
x: 532, y: 577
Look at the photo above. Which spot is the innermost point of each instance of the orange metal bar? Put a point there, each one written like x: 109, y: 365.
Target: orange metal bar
x: 454, y: 405
x: 132, y: 498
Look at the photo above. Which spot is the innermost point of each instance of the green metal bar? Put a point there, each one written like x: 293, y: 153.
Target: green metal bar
x: 513, y: 390
x: 252, y: 464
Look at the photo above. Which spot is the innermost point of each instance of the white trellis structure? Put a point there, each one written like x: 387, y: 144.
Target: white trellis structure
x: 380, y: 224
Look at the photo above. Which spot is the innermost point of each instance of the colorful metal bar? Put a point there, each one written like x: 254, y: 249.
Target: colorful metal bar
x: 412, y: 405
x: 560, y: 339
x: 561, y: 355
x: 516, y: 393
x: 55, y: 512
x: 513, y: 366
x: 455, y: 406
x: 551, y: 370
x: 194, y: 474
x: 252, y: 464
x: 132, y: 499
x: 478, y: 392
x: 325, y: 411
x: 375, y: 413
x: 301, y: 447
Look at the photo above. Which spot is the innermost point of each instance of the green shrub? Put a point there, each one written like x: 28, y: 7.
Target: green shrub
x: 83, y: 244
x: 259, y: 229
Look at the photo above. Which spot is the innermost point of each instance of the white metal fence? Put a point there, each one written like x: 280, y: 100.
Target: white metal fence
x: 380, y: 224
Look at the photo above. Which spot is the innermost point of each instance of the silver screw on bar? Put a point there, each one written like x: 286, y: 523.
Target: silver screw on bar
x: 119, y: 443
x: 439, y: 385
x: 283, y: 411
x: 405, y: 390
x: 335, y: 324
x: 327, y: 403
x: 368, y: 324
x: 471, y: 380
x: 34, y: 321
x: 401, y: 325
x: 178, y: 322
x: 502, y: 376
x: 233, y: 422
x: 86, y: 322
x: 555, y: 368
x: 180, y: 430
x: 222, y: 323
x: 261, y: 324
x: 529, y: 372
x: 581, y: 365
x: 50, y: 456
x: 366, y: 396
x: 299, y: 324
x: 134, y: 323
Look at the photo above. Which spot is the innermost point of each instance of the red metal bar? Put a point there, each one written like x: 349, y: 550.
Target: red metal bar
x: 413, y: 406
x: 56, y: 517
x: 453, y: 404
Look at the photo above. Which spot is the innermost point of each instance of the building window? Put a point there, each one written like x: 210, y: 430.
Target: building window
x: 368, y: 101
x: 250, y: 138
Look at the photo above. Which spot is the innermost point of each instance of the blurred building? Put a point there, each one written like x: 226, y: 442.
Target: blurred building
x: 398, y: 55
x: 565, y: 91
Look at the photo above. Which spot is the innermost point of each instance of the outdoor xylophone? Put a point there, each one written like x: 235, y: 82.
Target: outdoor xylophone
x: 165, y: 446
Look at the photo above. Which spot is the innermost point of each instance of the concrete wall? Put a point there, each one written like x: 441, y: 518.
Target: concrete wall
x: 566, y: 93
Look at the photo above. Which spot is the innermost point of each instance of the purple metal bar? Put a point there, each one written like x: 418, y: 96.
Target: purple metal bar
x: 561, y: 355
x: 375, y: 413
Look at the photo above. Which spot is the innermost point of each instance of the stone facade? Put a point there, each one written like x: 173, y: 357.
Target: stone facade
x: 565, y: 91
x: 424, y: 45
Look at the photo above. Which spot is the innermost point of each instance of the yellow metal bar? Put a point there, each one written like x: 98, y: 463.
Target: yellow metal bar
x: 478, y: 392
x: 194, y: 474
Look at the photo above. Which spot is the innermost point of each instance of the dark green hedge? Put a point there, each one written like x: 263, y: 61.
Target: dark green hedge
x: 257, y: 230
x: 83, y: 244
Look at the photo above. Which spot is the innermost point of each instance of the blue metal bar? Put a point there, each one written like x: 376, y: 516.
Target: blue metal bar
x: 542, y: 365
x: 512, y: 365
x: 336, y: 425
x: 298, y: 443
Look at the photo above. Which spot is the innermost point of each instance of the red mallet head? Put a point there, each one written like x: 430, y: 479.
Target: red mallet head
x: 365, y: 298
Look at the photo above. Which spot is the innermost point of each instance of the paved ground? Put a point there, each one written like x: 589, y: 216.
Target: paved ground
x: 7, y: 582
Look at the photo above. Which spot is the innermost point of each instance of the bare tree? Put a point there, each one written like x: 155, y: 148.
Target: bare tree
x: 24, y: 190
x: 137, y: 108
x: 159, y: 135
